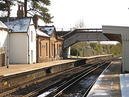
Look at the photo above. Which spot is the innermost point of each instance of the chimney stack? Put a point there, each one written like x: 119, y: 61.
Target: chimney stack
x: 20, y: 11
x: 35, y: 20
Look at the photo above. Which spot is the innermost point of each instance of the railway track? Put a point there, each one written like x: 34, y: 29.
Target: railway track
x: 53, y: 87
x: 31, y: 88
x: 66, y: 86
x: 32, y: 91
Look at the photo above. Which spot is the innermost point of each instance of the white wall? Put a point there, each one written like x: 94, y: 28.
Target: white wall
x: 23, y: 46
x: 18, y: 52
x: 3, y: 38
x: 32, y: 43
x: 4, y: 42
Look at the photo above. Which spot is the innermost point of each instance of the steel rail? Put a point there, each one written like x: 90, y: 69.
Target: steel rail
x: 64, y: 84
x: 68, y: 81
x: 60, y: 92
x: 35, y: 92
x: 87, y: 91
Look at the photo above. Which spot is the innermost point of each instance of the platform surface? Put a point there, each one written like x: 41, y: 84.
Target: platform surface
x: 19, y: 68
x: 108, y: 84
x: 124, y: 79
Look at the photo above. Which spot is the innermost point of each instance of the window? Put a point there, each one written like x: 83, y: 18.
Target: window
x: 58, y: 50
x: 43, y: 46
x: 40, y: 49
x: 46, y: 49
x: 52, y: 49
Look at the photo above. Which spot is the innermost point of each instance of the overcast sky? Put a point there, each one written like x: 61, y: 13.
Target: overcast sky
x: 94, y: 13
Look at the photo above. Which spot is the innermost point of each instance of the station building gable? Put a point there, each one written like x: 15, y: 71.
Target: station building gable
x: 49, y: 46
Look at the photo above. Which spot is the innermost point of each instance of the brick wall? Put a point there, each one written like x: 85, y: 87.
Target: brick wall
x: 48, y: 49
x: 42, y: 49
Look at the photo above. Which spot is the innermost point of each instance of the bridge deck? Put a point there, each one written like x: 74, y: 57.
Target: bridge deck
x: 108, y: 84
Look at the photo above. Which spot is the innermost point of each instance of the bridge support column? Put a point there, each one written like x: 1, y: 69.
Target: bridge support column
x: 124, y: 32
x: 66, y: 53
x: 69, y: 52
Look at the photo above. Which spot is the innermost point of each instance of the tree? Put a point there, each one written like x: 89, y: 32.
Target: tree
x: 5, y: 6
x: 38, y: 8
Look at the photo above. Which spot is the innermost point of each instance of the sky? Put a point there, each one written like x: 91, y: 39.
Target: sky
x: 93, y: 13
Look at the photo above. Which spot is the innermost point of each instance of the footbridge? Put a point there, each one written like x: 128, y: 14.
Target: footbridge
x: 107, y: 33
x: 79, y: 35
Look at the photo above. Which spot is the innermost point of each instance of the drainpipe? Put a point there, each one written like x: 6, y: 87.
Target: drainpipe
x: 28, y: 48
x: 49, y: 50
x: 7, y: 48
x: 7, y: 53
x: 37, y: 49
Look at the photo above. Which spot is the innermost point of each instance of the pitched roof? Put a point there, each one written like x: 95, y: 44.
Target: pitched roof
x: 47, y: 29
x: 41, y: 33
x: 17, y: 24
x: 2, y: 25
x: 62, y: 33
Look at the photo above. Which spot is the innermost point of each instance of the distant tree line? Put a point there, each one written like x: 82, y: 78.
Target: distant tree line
x: 84, y: 49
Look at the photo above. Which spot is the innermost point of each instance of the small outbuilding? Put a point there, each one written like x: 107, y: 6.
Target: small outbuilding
x: 22, y: 40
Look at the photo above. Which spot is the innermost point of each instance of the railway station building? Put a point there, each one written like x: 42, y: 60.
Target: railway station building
x: 49, y: 44
x: 28, y: 44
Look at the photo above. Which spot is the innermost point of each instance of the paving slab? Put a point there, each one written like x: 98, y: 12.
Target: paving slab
x: 108, y: 83
x: 124, y: 80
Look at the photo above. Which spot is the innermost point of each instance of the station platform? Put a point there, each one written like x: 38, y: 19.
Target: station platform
x: 20, y: 68
x: 111, y: 83
x: 11, y: 79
